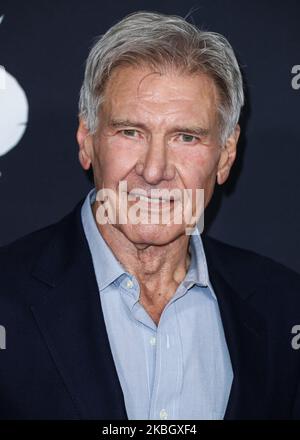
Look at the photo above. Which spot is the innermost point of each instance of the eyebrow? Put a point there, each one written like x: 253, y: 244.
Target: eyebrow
x: 198, y: 131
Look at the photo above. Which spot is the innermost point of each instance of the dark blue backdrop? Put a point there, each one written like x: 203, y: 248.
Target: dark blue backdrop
x: 44, y: 44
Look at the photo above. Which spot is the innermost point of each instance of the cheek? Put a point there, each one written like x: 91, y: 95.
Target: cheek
x: 198, y: 167
x: 114, y: 163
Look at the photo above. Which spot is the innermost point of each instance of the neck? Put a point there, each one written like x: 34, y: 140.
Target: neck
x: 158, y: 269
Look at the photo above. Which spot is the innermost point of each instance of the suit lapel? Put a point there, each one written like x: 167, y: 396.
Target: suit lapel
x: 245, y: 335
x: 65, y: 302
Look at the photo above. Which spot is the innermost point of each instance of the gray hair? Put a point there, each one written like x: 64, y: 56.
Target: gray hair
x: 158, y: 40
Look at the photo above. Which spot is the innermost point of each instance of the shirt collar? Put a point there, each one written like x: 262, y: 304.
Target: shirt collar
x: 112, y: 269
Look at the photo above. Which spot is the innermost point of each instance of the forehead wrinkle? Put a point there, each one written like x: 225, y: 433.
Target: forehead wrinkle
x: 171, y: 115
x: 159, y: 118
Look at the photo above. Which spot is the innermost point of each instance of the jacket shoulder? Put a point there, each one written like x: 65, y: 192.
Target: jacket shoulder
x: 24, y: 251
x: 26, y: 246
x: 244, y: 263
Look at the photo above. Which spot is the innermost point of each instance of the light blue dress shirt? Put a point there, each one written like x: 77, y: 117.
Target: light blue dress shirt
x: 179, y: 369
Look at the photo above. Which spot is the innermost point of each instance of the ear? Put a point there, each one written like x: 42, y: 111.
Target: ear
x: 85, y: 142
x: 228, y: 155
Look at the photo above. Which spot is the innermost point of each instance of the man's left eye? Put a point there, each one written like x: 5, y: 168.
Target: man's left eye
x: 129, y: 132
x: 188, y: 137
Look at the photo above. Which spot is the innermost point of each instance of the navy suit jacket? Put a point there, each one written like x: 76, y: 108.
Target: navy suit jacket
x: 58, y: 364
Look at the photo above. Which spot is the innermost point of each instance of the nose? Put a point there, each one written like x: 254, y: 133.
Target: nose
x: 155, y: 165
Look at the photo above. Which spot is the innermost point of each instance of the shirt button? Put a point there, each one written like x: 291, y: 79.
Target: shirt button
x: 163, y: 414
x: 129, y: 284
x: 153, y: 340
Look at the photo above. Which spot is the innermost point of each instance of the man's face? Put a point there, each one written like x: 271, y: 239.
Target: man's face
x: 156, y: 131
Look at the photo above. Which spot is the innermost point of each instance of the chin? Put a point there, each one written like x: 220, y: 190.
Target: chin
x: 152, y: 234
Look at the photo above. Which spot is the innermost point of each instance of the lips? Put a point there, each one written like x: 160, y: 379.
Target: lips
x: 157, y: 199
x: 153, y: 199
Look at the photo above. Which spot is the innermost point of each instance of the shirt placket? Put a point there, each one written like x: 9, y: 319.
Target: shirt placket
x: 168, y: 367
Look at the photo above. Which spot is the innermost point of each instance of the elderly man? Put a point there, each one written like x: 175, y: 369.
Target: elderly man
x: 142, y: 319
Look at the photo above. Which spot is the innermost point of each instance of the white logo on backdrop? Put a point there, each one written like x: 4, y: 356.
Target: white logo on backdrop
x: 13, y: 110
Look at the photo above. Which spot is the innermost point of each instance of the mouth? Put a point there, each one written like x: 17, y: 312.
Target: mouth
x: 153, y: 200
x: 151, y: 205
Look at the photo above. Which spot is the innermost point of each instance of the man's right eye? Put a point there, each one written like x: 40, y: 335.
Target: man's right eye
x: 129, y: 132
